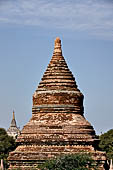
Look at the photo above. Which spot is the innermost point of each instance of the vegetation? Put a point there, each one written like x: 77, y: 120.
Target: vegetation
x: 70, y: 162
x: 65, y: 162
x: 7, y: 144
x: 106, y: 143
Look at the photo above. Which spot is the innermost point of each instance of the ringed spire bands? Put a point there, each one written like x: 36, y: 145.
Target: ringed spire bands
x: 58, y: 87
x: 57, y: 75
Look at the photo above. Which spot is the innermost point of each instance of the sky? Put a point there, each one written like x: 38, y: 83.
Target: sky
x: 28, y: 29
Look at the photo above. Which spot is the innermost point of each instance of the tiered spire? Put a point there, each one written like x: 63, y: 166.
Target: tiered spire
x: 57, y: 75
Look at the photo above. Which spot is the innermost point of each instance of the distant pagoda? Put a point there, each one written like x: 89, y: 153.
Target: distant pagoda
x: 13, y: 129
x: 58, y: 125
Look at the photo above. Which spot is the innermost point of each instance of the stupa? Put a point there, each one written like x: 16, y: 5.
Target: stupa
x: 13, y: 130
x: 58, y: 125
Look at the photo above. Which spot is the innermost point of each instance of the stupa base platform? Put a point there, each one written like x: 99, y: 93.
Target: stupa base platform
x: 29, y: 159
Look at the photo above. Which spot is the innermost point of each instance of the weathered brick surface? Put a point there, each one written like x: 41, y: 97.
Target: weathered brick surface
x: 58, y: 125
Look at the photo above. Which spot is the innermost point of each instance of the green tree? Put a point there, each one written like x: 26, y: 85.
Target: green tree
x: 70, y: 162
x: 106, y: 143
x: 7, y: 144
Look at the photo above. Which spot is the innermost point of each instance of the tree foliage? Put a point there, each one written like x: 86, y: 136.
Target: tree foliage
x: 7, y: 144
x: 106, y: 143
x: 69, y: 162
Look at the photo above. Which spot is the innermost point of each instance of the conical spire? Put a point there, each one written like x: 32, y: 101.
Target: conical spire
x: 58, y: 85
x: 57, y: 75
x: 13, y: 115
x: 13, y: 122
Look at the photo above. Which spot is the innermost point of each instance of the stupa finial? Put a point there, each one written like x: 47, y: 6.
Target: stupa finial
x: 57, y: 47
x: 57, y: 40
x: 13, y: 115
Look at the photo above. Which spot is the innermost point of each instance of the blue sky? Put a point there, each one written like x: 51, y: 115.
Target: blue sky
x: 27, y: 32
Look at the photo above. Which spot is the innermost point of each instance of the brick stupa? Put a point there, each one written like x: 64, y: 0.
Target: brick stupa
x: 58, y: 125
